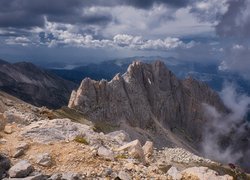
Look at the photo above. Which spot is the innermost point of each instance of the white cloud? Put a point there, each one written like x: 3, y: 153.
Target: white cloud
x: 237, y: 47
x: 127, y: 40
x: 57, y: 34
x: 23, y: 41
x: 230, y: 125
x: 210, y: 10
x: 159, y: 21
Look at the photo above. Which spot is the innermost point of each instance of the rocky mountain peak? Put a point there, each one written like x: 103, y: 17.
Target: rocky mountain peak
x: 149, y: 97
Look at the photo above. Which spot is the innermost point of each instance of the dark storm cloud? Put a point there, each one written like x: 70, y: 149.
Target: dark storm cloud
x: 10, y: 32
x: 20, y: 19
x: 234, y: 29
x: 149, y: 3
x: 31, y: 13
x: 236, y: 21
x: 98, y: 19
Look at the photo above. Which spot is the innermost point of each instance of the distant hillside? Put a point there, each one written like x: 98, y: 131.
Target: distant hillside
x: 34, y: 85
x: 208, y: 73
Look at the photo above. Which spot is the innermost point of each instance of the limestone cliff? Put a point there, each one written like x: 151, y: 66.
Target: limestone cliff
x: 150, y: 97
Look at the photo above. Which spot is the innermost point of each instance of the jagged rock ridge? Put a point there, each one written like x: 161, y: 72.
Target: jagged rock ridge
x: 150, y: 97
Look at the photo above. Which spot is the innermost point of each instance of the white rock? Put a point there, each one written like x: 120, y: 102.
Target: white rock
x: 134, y: 149
x: 120, y: 136
x: 129, y: 166
x: 55, y: 130
x: 3, y: 141
x: 148, y: 148
x: 105, y: 153
x: 174, y: 173
x: 21, y: 169
x: 124, y: 176
x: 131, y: 144
x: 204, y: 173
x: 8, y: 129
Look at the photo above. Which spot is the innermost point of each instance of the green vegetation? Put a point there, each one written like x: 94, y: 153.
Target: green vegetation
x: 81, y: 139
x: 104, y: 127
x: 121, y: 156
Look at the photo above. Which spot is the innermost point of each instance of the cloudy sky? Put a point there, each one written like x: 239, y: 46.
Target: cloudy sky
x: 94, y: 30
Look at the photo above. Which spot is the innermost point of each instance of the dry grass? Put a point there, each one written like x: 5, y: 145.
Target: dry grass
x: 104, y: 127
x: 74, y: 115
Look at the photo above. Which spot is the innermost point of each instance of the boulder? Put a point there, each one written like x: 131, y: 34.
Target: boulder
x: 105, y: 153
x: 46, y: 131
x: 124, y: 176
x: 121, y: 136
x: 148, y: 148
x: 18, y: 153
x: 21, y: 170
x: 33, y: 177
x: 203, y: 173
x: 22, y: 145
x: 4, y: 165
x: 130, y: 145
x: 8, y: 129
x: 174, y: 173
x: 107, y: 172
x: 20, y: 149
x: 44, y: 160
x: 3, y: 141
x: 134, y: 149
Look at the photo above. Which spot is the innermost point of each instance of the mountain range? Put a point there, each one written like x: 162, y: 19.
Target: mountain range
x: 148, y: 101
x: 34, y: 85
x: 206, y: 72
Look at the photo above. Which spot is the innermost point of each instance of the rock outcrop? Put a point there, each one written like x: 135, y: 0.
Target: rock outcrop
x: 4, y: 165
x: 150, y: 97
x: 20, y: 170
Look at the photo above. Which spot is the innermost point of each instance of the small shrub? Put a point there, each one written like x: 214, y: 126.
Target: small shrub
x: 81, y: 139
x: 121, y: 156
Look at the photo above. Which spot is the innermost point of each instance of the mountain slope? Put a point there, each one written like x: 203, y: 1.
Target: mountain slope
x: 144, y: 93
x: 34, y: 85
x: 149, y: 102
x: 57, y: 148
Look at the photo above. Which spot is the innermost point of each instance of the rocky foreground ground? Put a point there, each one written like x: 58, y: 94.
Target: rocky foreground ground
x: 36, y: 143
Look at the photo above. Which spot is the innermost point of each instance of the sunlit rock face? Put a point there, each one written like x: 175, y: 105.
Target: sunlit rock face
x: 148, y: 96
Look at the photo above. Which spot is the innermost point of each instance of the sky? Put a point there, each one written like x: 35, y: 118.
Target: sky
x: 73, y: 31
